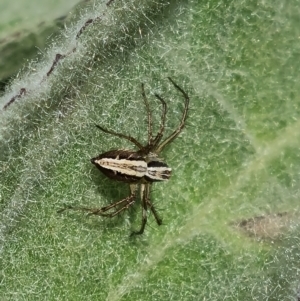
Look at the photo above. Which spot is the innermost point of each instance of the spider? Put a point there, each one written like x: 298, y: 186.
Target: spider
x: 142, y: 167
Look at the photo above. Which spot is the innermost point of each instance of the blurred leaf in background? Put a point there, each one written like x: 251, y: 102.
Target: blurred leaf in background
x: 25, y: 29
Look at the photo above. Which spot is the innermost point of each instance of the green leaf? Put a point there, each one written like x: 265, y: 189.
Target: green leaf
x: 230, y: 211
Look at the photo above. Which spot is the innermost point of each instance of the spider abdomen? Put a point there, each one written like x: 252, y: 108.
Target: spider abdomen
x: 121, y: 165
x: 131, y: 167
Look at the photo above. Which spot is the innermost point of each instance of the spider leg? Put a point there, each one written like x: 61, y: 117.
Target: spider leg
x: 128, y: 201
x: 129, y: 138
x: 149, y: 117
x: 145, y: 191
x: 182, y: 122
x: 153, y: 210
x: 162, y: 123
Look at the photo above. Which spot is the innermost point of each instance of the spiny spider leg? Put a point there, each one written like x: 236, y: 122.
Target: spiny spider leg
x: 133, y: 189
x: 96, y: 211
x: 129, y: 138
x: 129, y: 201
x: 182, y: 122
x: 145, y: 191
x: 153, y: 210
x: 162, y: 124
x: 149, y: 117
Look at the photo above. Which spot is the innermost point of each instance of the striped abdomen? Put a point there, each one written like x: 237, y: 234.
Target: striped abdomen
x: 131, y: 167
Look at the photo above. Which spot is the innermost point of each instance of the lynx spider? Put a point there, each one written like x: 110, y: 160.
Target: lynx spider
x: 142, y: 167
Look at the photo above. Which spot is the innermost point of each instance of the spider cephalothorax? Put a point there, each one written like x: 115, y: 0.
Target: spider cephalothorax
x: 141, y: 167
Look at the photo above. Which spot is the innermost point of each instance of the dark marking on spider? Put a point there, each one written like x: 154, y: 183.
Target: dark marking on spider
x: 138, y: 168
